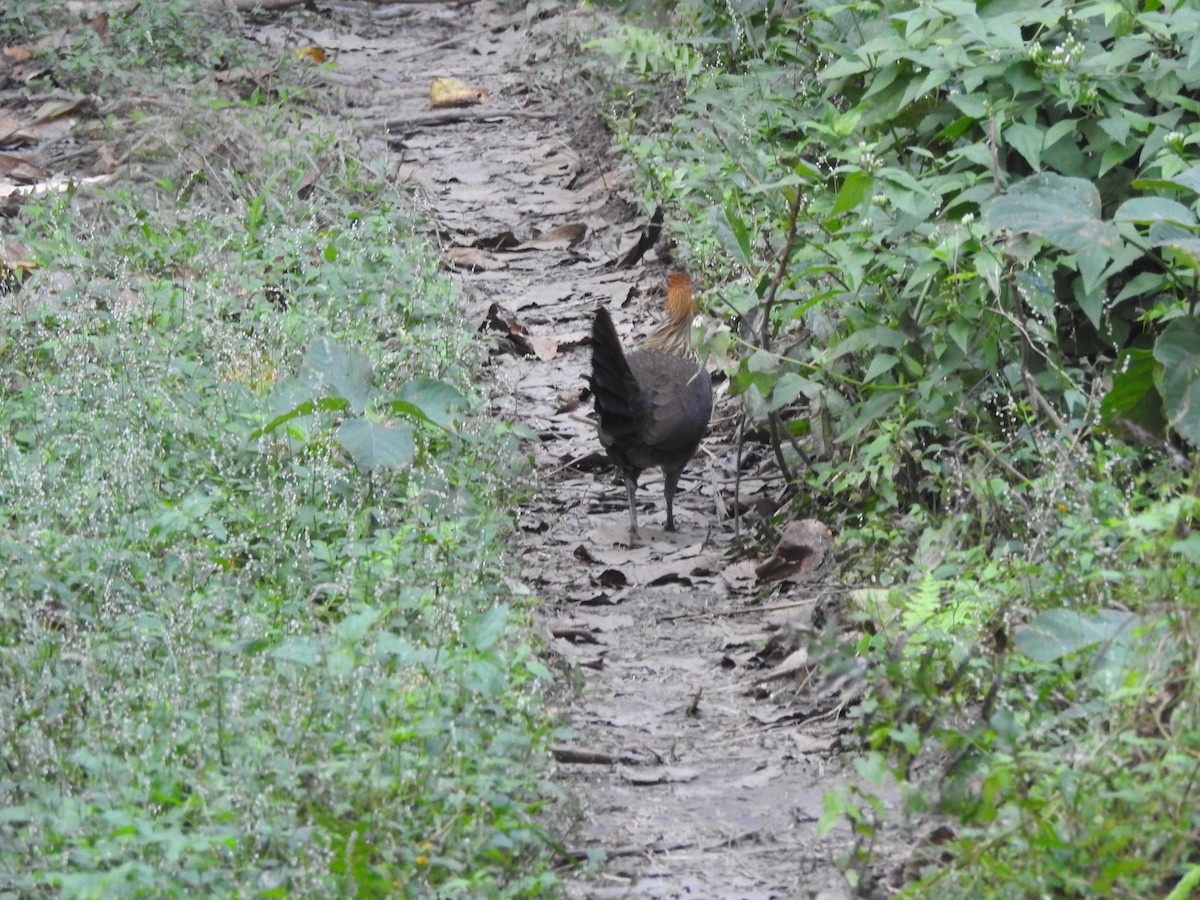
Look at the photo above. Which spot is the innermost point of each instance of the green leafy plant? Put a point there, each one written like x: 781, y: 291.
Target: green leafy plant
x: 335, y: 378
x: 233, y: 662
x: 956, y: 252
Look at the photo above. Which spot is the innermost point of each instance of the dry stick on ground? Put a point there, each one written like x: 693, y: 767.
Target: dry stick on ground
x: 564, y: 754
x: 748, y: 610
x: 462, y: 115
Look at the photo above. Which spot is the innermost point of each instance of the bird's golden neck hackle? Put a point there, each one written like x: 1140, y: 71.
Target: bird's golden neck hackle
x: 673, y: 335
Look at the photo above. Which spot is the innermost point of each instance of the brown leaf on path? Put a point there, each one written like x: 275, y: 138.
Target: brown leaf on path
x: 795, y: 666
x: 21, y: 167
x: 473, y: 260
x: 559, y: 238
x: 505, y: 240
x: 799, y: 553
x: 106, y: 161
x: 516, y: 338
x: 545, y: 348
x: 50, y: 121
x: 660, y: 775
x: 450, y: 92
x: 572, y: 339
x: 310, y: 179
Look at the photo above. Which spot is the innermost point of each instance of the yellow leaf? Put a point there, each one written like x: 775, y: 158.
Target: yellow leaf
x: 445, y: 92
x: 309, y: 54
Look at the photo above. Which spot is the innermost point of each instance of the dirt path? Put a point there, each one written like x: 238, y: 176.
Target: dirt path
x: 703, y: 779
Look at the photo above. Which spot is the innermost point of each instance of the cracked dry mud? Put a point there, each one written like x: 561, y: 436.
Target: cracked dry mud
x: 692, y: 771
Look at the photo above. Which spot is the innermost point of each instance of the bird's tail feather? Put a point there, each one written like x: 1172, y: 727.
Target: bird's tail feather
x: 613, y: 384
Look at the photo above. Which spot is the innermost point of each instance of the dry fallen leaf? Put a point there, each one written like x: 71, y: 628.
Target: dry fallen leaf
x: 800, y: 551
x: 448, y: 92
x: 559, y: 238
x: 309, y: 54
x: 106, y: 161
x: 99, y: 24
x: 472, y: 259
x: 21, y: 167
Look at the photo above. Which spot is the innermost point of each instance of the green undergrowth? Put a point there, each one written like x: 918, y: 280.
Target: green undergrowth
x: 256, y: 636
x: 955, y: 253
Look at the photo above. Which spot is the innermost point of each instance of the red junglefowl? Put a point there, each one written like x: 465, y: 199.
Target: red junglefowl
x: 653, y: 404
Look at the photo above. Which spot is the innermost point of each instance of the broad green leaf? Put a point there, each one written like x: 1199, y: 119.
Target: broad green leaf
x: 869, y: 338
x: 1037, y: 292
x: 741, y: 235
x: 1092, y: 265
x: 962, y: 333
x: 856, y: 186
x: 346, y: 371
x: 485, y: 631
x: 789, y: 387
x: 1027, y: 140
x: 1189, y: 178
x: 842, y: 68
x: 1147, y: 283
x: 1091, y: 301
x: 1052, y: 635
x: 355, y: 626
x: 1133, y: 395
x: 1060, y: 633
x: 1168, y: 234
x: 373, y: 445
x: 1178, y: 350
x: 880, y: 363
x: 303, y: 651
x: 431, y: 399
x: 1116, y: 127
x: 1154, y: 209
x: 245, y: 646
x: 1063, y: 211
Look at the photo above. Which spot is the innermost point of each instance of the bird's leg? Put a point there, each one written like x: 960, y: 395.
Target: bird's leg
x: 670, y: 482
x: 631, y: 489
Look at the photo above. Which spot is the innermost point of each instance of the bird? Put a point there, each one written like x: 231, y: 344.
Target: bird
x: 652, y: 405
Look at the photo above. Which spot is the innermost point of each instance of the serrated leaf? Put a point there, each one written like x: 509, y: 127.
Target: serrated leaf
x: 373, y: 445
x: 1063, y: 211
